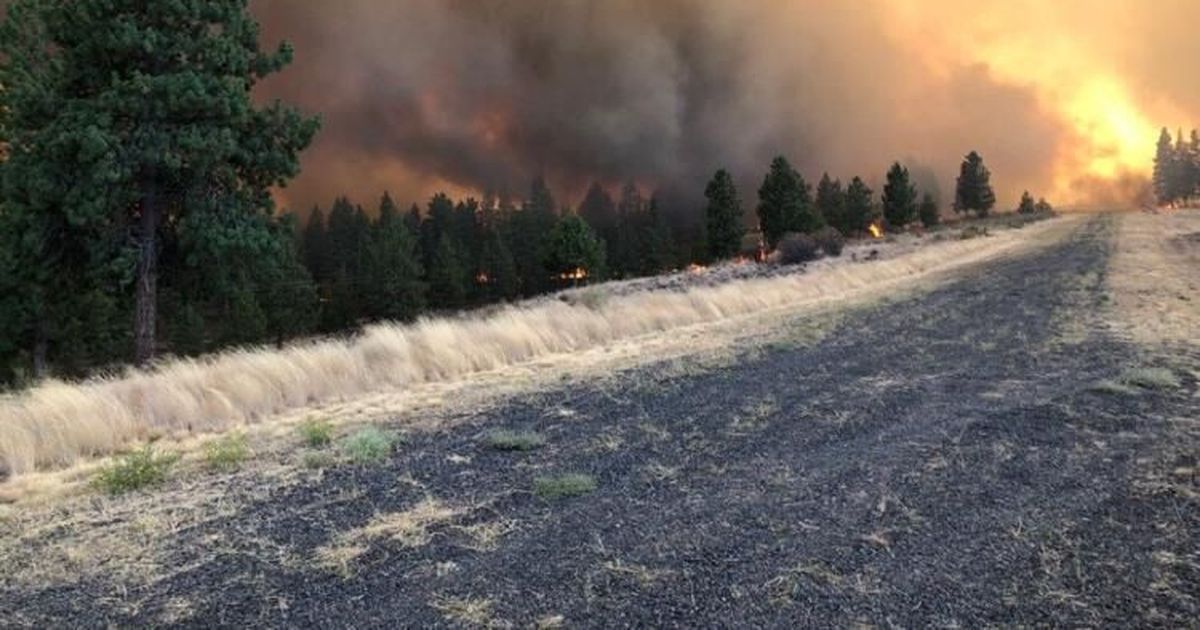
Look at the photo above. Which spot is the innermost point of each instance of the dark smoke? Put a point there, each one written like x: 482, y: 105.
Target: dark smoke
x: 475, y: 95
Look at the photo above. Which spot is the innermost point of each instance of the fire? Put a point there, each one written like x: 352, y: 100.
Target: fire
x: 1063, y: 54
x: 696, y: 268
x: 578, y: 273
x: 875, y: 230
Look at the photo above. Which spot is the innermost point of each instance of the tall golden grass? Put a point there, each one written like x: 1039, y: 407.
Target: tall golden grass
x: 55, y: 423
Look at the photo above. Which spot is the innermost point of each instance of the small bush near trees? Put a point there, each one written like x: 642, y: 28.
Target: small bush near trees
x: 140, y: 469
x: 797, y: 248
x: 562, y: 486
x: 370, y: 445
x: 227, y: 453
x: 830, y: 241
x: 928, y: 211
x: 1027, y: 205
x: 316, y: 433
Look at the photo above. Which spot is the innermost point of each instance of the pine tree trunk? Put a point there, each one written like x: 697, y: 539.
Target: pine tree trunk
x: 146, y: 293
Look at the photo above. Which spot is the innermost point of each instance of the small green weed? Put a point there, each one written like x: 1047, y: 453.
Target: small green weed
x: 562, y: 486
x: 227, y: 453
x: 509, y: 440
x: 316, y: 433
x: 370, y: 445
x: 1151, y: 378
x: 136, y: 470
x: 1114, y: 388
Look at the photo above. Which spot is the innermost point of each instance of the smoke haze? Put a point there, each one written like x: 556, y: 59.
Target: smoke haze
x: 474, y: 95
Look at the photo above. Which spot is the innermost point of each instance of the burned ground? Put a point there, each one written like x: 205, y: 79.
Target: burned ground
x: 983, y: 453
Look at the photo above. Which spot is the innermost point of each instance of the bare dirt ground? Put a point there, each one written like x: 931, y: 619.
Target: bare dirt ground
x: 1015, y: 445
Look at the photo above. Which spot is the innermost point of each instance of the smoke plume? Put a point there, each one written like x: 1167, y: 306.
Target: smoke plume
x: 481, y: 95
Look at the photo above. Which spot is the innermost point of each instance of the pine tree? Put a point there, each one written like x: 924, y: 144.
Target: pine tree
x: 574, y: 247
x: 784, y: 203
x: 314, y: 246
x: 530, y: 227
x: 1027, y: 205
x: 899, y: 197
x: 928, y: 211
x: 393, y: 286
x: 631, y: 226
x: 448, y: 275
x: 439, y: 217
x: 1164, y: 166
x: 723, y: 217
x: 831, y: 203
x: 973, y: 190
x: 859, y: 208
x: 1182, y: 182
x: 600, y: 211
x: 121, y: 121
x: 497, y: 270
x: 656, y: 244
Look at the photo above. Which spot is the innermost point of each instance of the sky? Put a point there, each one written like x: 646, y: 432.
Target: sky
x: 1064, y: 98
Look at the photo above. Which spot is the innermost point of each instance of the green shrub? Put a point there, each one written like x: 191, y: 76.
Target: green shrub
x: 797, y: 248
x: 562, y: 486
x: 508, y: 440
x: 227, y: 453
x: 316, y: 433
x: 1151, y: 378
x: 370, y: 445
x: 830, y: 241
x: 136, y: 470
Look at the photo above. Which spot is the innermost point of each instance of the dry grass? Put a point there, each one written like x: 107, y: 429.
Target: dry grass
x: 55, y: 424
x: 1152, y: 277
x: 409, y: 528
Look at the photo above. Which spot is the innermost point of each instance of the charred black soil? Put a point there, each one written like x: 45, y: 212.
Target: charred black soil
x: 980, y: 454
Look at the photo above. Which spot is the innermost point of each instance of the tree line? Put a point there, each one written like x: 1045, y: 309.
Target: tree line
x: 1176, y: 178
x: 136, y: 215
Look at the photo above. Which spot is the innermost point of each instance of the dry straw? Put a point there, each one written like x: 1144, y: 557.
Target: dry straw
x: 55, y: 423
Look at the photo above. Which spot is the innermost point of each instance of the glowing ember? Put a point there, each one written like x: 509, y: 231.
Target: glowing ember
x: 875, y: 230
x: 578, y: 273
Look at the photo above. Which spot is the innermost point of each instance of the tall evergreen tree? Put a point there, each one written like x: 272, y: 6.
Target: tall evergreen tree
x: 1164, y: 166
x: 449, y: 277
x: 1183, y: 185
x: 314, y: 246
x: 574, y: 247
x: 625, y: 251
x: 127, y: 118
x: 859, y: 208
x: 393, y: 286
x: 831, y: 203
x: 784, y: 203
x: 656, y: 244
x: 973, y: 189
x: 723, y: 217
x: 600, y: 211
x: 497, y: 271
x: 530, y: 227
x: 899, y: 197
